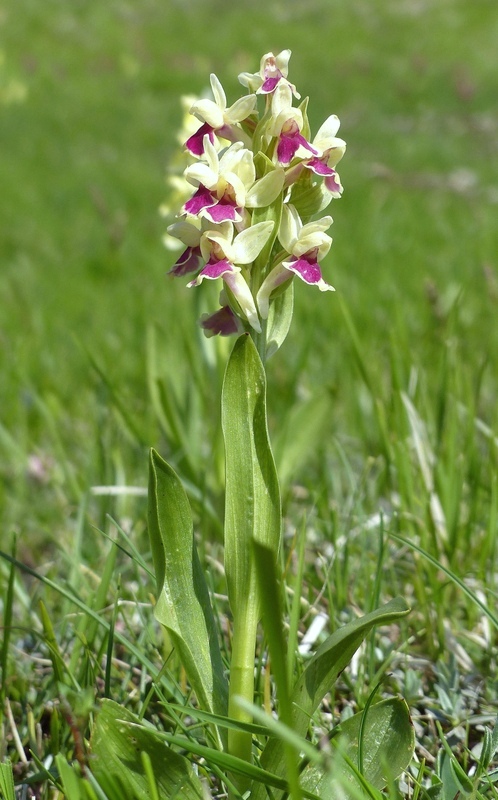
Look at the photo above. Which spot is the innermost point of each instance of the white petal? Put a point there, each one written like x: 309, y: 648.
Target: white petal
x: 231, y: 157
x: 244, y: 168
x: 218, y: 92
x: 222, y: 237
x: 242, y: 293
x: 201, y: 173
x: 241, y: 109
x: 282, y: 61
x: 336, y: 152
x: 262, y: 63
x: 238, y: 187
x: 282, y: 99
x: 290, y: 227
x: 322, y: 224
x: 187, y: 233
x: 249, y: 243
x: 307, y: 243
x: 277, y: 276
x: 277, y: 123
x: 252, y: 80
x: 327, y: 132
x: 211, y: 155
x: 207, y: 111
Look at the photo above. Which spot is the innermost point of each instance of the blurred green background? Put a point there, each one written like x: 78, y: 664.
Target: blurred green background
x: 89, y: 109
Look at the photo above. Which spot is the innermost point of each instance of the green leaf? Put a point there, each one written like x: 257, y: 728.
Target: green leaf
x: 224, y: 761
x: 52, y: 644
x: 322, y: 672
x: 183, y: 604
x: 252, y: 514
x: 71, y: 779
x: 252, y: 492
x: 116, y: 758
x: 279, y: 320
x: 388, y: 745
x: 7, y: 781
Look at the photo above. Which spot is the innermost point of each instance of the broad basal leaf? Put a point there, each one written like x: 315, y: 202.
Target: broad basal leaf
x: 388, y: 742
x: 183, y: 604
x: 116, y: 759
x: 321, y: 673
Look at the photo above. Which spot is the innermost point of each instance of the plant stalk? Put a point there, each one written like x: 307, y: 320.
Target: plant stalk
x: 242, y: 680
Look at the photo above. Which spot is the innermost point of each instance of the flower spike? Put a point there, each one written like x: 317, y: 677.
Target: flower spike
x: 249, y: 198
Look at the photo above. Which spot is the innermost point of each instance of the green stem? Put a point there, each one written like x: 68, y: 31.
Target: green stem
x: 242, y: 680
x: 259, y: 340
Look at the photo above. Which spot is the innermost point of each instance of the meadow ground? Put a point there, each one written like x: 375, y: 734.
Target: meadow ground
x: 382, y: 401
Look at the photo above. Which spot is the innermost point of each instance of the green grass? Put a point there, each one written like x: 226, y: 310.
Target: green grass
x: 100, y: 356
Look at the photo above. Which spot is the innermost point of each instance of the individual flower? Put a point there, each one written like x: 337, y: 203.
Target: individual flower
x: 191, y: 258
x: 331, y: 150
x: 272, y: 73
x: 286, y: 124
x: 217, y: 119
x: 306, y: 246
x: 223, y: 251
x: 228, y: 185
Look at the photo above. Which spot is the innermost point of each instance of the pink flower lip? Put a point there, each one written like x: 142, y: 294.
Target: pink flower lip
x: 319, y: 167
x: 291, y: 139
x: 306, y: 267
x: 195, y: 143
x: 200, y: 200
x: 189, y: 261
x: 216, y: 269
x: 223, y: 323
x: 270, y: 84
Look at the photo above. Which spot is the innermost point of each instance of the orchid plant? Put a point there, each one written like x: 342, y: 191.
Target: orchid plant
x: 251, y: 216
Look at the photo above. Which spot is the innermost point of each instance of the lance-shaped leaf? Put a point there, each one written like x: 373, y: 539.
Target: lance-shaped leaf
x: 252, y: 513
x: 322, y: 672
x: 183, y: 604
x: 388, y: 742
x: 252, y: 506
x: 117, y: 762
